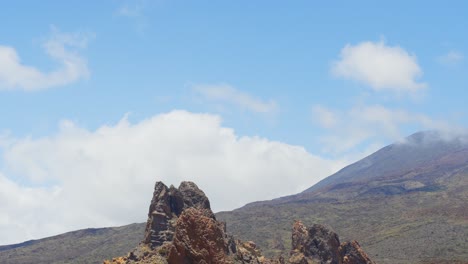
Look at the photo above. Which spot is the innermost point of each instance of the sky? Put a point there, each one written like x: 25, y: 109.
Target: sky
x: 251, y: 100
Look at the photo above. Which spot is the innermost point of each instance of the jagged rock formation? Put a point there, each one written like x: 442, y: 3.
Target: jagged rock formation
x: 167, y: 205
x: 182, y: 229
x: 318, y: 244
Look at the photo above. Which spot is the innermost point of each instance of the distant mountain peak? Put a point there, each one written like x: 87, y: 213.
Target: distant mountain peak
x: 396, y: 160
x: 436, y: 136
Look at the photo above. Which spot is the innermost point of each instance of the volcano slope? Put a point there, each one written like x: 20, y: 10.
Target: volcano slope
x: 84, y: 246
x: 406, y: 203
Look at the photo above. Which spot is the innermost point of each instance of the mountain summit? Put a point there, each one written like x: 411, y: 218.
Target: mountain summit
x: 402, y: 162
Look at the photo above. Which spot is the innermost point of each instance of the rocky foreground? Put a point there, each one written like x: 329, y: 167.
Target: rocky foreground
x: 182, y: 229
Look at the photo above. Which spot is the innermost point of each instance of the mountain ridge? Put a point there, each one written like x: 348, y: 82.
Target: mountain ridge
x: 81, y: 246
x: 428, y: 140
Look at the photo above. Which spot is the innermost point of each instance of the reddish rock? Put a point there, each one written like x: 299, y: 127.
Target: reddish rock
x: 352, y: 253
x: 198, y: 239
x: 166, y: 205
x: 318, y: 244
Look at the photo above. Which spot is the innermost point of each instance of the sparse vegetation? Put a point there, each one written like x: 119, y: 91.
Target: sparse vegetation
x: 83, y: 246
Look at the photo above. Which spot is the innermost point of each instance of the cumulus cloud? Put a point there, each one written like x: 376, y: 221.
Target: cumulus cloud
x: 81, y: 178
x: 225, y: 93
x: 62, y: 47
x: 20, y: 207
x: 380, y: 66
x: 451, y: 58
x: 364, y: 124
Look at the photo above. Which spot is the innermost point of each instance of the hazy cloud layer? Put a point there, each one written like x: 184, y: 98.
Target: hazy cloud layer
x: 380, y: 66
x: 224, y: 93
x: 61, y: 47
x: 82, y: 178
x: 372, y: 123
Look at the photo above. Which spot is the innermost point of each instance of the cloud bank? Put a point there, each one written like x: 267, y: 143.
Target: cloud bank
x: 105, y: 177
x: 380, y: 66
x: 61, y: 47
x: 375, y: 123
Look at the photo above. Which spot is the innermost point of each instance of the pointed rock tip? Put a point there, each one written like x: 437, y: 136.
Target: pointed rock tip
x: 159, y: 184
x: 298, y: 224
x: 187, y: 185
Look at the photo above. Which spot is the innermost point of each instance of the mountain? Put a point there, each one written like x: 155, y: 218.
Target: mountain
x: 85, y: 246
x: 410, y: 197
x: 395, y: 161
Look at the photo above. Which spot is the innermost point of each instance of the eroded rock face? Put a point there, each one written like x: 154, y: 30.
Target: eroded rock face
x: 192, y: 196
x: 198, y: 239
x: 318, y: 244
x: 167, y: 205
x: 352, y: 253
x: 182, y: 229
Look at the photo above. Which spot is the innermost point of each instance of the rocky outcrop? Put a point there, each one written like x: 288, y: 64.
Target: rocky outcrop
x: 167, y: 205
x: 248, y: 252
x: 182, y: 229
x: 318, y: 244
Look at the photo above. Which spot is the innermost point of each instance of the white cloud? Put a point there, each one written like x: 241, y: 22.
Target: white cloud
x: 80, y: 178
x: 228, y: 94
x: 20, y: 206
x: 62, y: 47
x: 367, y: 124
x: 380, y: 66
x: 451, y: 58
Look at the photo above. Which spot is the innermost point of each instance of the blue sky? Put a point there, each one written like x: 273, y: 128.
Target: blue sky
x: 301, y: 82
